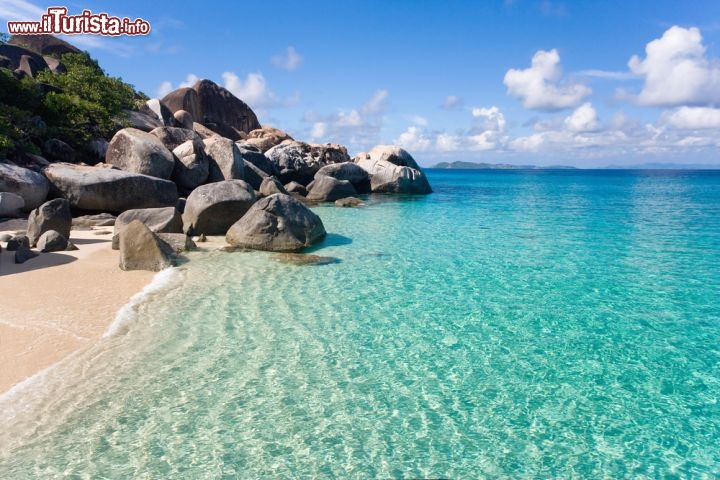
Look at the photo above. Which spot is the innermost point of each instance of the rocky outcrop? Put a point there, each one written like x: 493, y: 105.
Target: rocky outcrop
x: 191, y: 166
x: 52, y: 241
x: 253, y: 175
x: 327, y: 153
x: 52, y: 215
x: 136, y: 151
x: 265, y: 138
x: 211, y: 209
x: 300, y: 161
x: 293, y: 162
x: 158, y: 220
x: 349, y: 171
x: 388, y: 177
x: 270, y: 186
x: 277, y: 223
x: 214, y: 107
x: 329, y: 189
x: 224, y: 159
x: 44, y: 44
x: 21, y: 59
x: 11, y: 205
x: 109, y: 190
x: 31, y: 186
x: 141, y: 249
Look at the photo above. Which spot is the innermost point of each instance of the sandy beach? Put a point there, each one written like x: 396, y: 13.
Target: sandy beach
x: 59, y: 302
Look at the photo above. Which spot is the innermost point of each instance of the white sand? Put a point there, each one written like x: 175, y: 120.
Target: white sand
x: 56, y: 303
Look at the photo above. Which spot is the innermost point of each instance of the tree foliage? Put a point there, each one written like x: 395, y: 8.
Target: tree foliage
x: 74, y: 106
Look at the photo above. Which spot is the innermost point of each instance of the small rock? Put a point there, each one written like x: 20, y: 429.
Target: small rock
x: 70, y: 247
x: 18, y: 241
x: 52, y: 241
x: 202, y: 238
x: 304, y: 259
x: 349, y: 202
x: 89, y: 221
x: 23, y: 254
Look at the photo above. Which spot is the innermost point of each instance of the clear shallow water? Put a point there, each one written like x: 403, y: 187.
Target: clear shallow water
x: 543, y: 324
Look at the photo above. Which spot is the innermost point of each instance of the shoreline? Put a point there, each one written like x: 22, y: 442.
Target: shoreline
x: 58, y: 303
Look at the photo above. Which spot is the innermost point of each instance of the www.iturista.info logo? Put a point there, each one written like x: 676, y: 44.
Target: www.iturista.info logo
x: 57, y: 21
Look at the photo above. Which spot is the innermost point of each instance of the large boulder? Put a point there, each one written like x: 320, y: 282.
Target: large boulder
x: 297, y: 188
x: 214, y: 107
x: 22, y: 59
x: 393, y: 154
x: 173, y: 137
x: 265, y: 138
x: 11, y: 204
x: 191, y: 166
x: 52, y: 215
x: 31, y: 186
x: 327, y: 153
x: 270, y: 186
x: 349, y: 171
x: 387, y: 177
x: 277, y: 223
x: 253, y: 175
x: 136, y: 151
x: 258, y: 159
x: 293, y: 162
x: 141, y: 249
x: 158, y: 220
x: 224, y: 158
x: 143, y: 120
x: 109, y: 190
x: 52, y: 241
x: 211, y: 209
x: 329, y: 189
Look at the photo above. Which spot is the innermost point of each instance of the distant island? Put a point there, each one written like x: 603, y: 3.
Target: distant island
x: 496, y: 166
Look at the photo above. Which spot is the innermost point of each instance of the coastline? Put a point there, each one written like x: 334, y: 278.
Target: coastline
x: 57, y: 303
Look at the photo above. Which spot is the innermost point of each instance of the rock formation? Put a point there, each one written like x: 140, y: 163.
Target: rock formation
x: 277, y: 223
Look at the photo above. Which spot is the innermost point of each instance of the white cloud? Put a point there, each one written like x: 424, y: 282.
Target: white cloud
x: 677, y: 71
x: 164, y: 88
x: 253, y: 90
x: 492, y: 117
x: 583, y: 119
x: 451, y: 102
x: 413, y: 139
x: 358, y: 128
x: 607, y: 74
x: 540, y: 87
x: 20, y: 10
x: 693, y: 118
x: 290, y: 60
x: 447, y: 143
x: 376, y: 104
x: 167, y: 86
x: 418, y: 120
x: 530, y: 143
x: 318, y: 131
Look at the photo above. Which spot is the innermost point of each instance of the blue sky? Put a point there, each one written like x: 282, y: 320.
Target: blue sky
x: 523, y: 81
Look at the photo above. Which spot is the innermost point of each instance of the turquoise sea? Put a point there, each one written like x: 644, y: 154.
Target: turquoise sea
x: 514, y: 324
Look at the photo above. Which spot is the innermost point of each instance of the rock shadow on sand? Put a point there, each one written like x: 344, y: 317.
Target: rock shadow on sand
x: 44, y: 260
